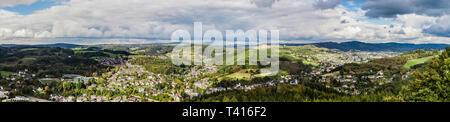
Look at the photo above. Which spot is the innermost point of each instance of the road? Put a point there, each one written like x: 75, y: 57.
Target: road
x: 34, y: 99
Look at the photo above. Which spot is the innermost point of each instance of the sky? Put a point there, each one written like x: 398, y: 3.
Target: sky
x: 152, y: 21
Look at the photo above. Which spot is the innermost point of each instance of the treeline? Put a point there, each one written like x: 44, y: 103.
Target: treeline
x: 10, y: 55
x: 230, y: 82
x: 418, y: 54
x: 289, y: 93
x: 159, y: 65
x: 156, y: 50
x: 388, y: 65
x: 95, y: 53
x: 294, y: 67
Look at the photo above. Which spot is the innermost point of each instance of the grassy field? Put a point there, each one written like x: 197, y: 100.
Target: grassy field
x: 4, y: 73
x: 84, y: 51
x: 288, y: 55
x: 414, y: 62
x: 106, y: 53
x: 310, y: 63
x: 28, y: 60
x: 138, y: 56
x: 240, y: 75
x: 138, y: 51
x: 28, y: 49
x: 331, y: 74
x: 308, y: 54
x: 79, y: 48
x: 244, y: 74
x: 111, y: 54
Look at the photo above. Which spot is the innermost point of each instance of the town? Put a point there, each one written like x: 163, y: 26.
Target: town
x: 153, y: 78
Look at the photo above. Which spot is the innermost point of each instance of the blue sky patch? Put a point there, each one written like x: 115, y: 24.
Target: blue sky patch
x: 31, y: 8
x: 353, y: 6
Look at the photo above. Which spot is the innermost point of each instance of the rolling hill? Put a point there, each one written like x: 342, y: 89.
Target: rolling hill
x: 375, y: 47
x: 60, y: 45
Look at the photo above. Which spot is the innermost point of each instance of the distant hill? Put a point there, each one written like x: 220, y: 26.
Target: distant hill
x: 375, y: 47
x: 61, y: 45
x: 44, y: 61
x: 344, y: 46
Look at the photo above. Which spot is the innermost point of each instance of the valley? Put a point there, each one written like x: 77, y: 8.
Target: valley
x: 144, y: 73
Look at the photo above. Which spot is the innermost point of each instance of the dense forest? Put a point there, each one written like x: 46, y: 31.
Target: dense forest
x: 290, y: 93
x: 44, y: 60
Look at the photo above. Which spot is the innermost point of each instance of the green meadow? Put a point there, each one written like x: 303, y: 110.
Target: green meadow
x: 414, y: 62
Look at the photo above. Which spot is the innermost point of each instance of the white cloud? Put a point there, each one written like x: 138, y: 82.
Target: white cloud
x: 11, y: 3
x: 157, y: 19
x: 7, y: 14
x: 23, y: 33
x: 416, y: 21
x: 441, y: 27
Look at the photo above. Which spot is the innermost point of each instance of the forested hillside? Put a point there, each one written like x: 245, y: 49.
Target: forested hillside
x: 47, y: 61
x: 431, y: 85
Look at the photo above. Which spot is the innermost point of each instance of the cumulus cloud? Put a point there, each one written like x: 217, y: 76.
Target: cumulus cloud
x: 416, y: 21
x: 7, y: 14
x: 11, y: 3
x: 438, y: 26
x: 314, y: 20
x: 145, y: 19
x: 327, y: 4
x: 392, y: 8
x: 264, y: 3
x: 441, y: 27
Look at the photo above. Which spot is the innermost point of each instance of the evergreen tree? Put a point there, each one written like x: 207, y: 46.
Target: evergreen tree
x: 431, y: 85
